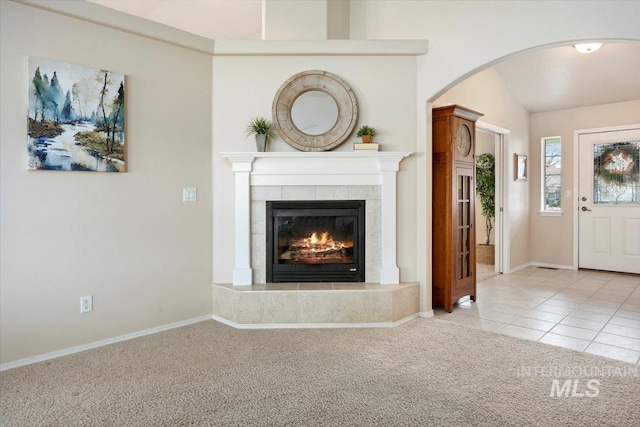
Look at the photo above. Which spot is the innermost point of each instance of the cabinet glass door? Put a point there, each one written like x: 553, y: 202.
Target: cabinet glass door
x: 464, y: 225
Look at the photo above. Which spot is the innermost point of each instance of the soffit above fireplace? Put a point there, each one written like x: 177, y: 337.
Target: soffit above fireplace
x: 321, y: 47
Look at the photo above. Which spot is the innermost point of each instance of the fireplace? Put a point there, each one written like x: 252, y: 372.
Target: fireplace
x: 315, y: 241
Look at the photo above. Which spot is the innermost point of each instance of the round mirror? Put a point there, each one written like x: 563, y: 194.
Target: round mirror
x: 314, y: 112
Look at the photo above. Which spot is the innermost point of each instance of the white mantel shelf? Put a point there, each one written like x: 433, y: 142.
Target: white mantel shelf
x: 316, y: 154
x: 315, y: 168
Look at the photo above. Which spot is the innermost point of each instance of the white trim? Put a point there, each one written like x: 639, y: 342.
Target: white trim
x: 426, y: 314
x: 501, y: 233
x: 576, y: 195
x: 312, y: 325
x: 488, y: 127
x: 543, y: 173
x: 243, y: 157
x: 101, y: 343
x: 321, y: 47
x: 502, y: 239
x: 549, y: 265
x: 520, y: 267
x: 576, y: 181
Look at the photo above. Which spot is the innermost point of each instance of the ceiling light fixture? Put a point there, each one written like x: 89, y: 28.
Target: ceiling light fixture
x: 587, y: 47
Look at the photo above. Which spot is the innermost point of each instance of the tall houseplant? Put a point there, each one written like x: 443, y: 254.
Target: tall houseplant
x: 486, y: 189
x: 263, y: 130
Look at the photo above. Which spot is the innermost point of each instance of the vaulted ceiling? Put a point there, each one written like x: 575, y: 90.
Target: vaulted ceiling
x: 543, y: 80
x: 561, y: 77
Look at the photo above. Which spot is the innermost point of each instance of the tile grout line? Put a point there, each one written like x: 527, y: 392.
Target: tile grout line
x: 638, y: 360
x: 565, y: 316
x: 605, y: 324
x: 573, y: 310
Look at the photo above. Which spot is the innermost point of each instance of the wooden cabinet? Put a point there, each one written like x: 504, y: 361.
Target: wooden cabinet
x: 454, y: 261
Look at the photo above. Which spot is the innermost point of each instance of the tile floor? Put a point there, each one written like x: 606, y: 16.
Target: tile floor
x: 592, y: 311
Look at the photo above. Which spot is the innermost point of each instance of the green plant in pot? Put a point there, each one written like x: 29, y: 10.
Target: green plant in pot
x: 366, y: 133
x: 486, y: 191
x: 263, y: 130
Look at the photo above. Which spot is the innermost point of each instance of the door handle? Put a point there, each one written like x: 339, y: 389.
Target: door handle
x: 585, y: 209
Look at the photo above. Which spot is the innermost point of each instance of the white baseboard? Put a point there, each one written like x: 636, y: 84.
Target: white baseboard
x: 548, y: 265
x: 311, y: 325
x: 101, y: 343
x: 520, y: 267
x: 426, y: 314
x: 83, y: 347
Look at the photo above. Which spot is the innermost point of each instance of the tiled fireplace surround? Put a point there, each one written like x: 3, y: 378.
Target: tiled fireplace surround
x: 249, y: 302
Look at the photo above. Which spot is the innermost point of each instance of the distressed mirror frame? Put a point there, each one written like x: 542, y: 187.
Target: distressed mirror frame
x: 307, y: 81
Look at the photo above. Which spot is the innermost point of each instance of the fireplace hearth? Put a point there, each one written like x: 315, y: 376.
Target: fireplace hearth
x: 315, y: 241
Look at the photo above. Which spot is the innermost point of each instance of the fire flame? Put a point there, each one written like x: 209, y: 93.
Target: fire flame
x: 318, y: 247
x: 322, y: 242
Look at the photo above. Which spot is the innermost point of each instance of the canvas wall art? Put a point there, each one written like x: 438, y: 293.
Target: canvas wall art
x: 76, y: 117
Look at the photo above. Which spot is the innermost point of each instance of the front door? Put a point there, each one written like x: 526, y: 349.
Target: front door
x: 609, y: 200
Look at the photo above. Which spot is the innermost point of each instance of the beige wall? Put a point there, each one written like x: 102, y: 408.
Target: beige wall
x: 127, y: 239
x: 245, y: 87
x: 131, y: 242
x: 486, y: 93
x: 552, y: 237
x: 282, y: 20
x: 466, y: 37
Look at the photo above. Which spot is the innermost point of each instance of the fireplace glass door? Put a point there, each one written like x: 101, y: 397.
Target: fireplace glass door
x: 315, y: 241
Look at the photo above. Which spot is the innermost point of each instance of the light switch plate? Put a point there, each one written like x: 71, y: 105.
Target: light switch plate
x: 189, y: 194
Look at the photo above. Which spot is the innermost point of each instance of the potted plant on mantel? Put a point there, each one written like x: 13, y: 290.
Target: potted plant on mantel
x: 263, y: 130
x: 366, y: 133
x: 486, y: 190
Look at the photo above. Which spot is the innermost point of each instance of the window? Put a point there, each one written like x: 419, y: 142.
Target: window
x: 615, y: 173
x: 551, y: 174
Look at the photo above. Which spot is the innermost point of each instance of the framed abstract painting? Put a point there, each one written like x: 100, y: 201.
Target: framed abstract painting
x: 76, y: 118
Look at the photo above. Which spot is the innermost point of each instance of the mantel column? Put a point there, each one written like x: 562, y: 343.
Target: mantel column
x: 389, y: 273
x: 242, y: 272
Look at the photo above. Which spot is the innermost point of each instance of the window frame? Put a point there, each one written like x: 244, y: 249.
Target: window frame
x: 545, y: 210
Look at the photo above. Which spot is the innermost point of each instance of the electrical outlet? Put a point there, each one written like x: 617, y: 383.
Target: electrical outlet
x: 86, y: 304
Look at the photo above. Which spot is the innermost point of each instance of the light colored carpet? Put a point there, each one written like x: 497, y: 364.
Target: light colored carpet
x: 424, y: 372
